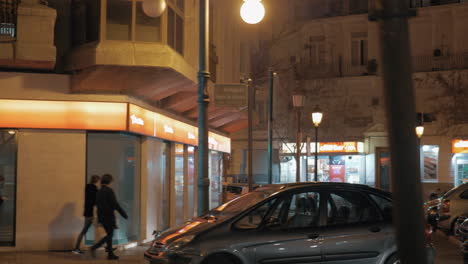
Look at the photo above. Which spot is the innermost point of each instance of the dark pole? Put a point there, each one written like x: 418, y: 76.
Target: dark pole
x: 298, y: 146
x: 249, y: 144
x: 270, y: 127
x: 316, y: 154
x: 203, y: 100
x: 400, y: 109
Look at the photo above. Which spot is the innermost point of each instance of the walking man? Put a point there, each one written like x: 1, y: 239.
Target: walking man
x: 90, y: 201
x: 106, y: 205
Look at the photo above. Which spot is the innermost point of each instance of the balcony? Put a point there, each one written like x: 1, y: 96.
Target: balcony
x: 26, y: 35
x: 440, y: 63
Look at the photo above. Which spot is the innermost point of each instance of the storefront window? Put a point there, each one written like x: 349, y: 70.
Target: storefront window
x: 429, y: 161
x: 216, y: 169
x: 118, y: 154
x: 179, y: 183
x: 191, y: 181
x: 7, y: 187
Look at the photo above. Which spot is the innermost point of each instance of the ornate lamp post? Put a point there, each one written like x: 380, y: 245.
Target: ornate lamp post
x: 317, y: 116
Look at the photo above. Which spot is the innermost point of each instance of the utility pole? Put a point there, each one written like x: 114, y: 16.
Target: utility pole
x: 203, y: 100
x: 400, y: 109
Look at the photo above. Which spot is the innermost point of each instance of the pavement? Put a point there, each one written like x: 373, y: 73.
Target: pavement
x: 447, y: 249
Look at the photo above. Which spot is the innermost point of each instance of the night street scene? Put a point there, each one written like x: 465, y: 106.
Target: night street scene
x: 233, y: 131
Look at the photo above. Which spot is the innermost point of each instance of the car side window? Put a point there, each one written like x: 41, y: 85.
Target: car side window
x: 464, y: 194
x: 303, y: 210
x: 253, y: 219
x: 384, y: 204
x: 345, y: 207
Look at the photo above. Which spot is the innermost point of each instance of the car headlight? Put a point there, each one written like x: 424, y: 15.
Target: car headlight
x: 180, y: 243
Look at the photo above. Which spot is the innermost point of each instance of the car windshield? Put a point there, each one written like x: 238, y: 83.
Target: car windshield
x: 243, y: 202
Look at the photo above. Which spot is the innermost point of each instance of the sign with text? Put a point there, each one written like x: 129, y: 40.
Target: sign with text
x: 344, y: 147
x: 234, y: 95
x: 141, y: 121
x: 460, y: 146
x: 175, y: 130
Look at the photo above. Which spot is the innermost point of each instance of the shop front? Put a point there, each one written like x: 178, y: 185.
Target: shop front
x: 460, y: 160
x: 336, y: 162
x: 63, y: 143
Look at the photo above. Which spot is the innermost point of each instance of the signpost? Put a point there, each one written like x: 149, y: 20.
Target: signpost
x: 233, y: 95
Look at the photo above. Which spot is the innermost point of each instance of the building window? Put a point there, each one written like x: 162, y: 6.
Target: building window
x: 315, y: 49
x: 127, y: 21
x: 359, y: 49
x: 175, y: 25
x: 8, y: 15
x: 8, y: 149
x: 85, y: 21
x: 118, y: 154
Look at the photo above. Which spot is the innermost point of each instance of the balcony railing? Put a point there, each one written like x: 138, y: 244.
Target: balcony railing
x: 333, y: 70
x: 440, y: 63
x: 8, y: 15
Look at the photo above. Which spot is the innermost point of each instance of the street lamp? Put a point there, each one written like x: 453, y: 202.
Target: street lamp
x: 298, y: 103
x: 316, y: 119
x: 252, y: 11
x: 419, y: 131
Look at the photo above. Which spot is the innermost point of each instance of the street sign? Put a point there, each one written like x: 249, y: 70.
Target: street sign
x: 233, y: 95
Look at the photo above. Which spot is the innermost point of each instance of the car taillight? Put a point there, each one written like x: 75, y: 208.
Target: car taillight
x: 445, y: 206
x: 428, y: 234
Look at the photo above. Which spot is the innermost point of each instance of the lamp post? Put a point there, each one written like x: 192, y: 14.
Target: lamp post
x: 298, y: 103
x: 419, y: 132
x: 203, y: 181
x: 316, y: 119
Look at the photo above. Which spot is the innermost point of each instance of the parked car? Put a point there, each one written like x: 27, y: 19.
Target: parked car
x: 291, y: 223
x: 452, y: 205
x: 234, y: 190
x: 462, y: 234
x: 431, y: 208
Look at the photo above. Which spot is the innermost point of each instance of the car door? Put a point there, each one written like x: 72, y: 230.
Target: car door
x: 290, y: 232
x: 355, y: 230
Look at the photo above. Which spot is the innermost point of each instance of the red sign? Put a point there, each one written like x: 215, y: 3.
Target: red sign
x: 331, y: 147
x: 460, y: 146
x: 337, y: 173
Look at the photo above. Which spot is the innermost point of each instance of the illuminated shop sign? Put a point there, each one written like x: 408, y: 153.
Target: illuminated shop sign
x: 63, y: 115
x: 327, y: 147
x: 341, y: 147
x: 460, y: 146
x: 102, y: 116
x: 149, y: 123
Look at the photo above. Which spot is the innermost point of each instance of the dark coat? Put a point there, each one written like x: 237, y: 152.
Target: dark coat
x: 106, y: 205
x: 90, y: 200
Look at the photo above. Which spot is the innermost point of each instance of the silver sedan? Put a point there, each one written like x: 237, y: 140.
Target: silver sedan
x: 331, y: 223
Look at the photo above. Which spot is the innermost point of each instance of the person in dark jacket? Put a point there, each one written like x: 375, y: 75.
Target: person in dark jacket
x: 90, y: 201
x: 106, y: 205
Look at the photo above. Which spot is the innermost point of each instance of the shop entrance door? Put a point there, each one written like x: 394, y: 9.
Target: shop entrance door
x: 383, y: 169
x: 461, y: 168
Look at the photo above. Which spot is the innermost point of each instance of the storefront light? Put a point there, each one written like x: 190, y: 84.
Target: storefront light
x: 11, y: 132
x: 425, y: 148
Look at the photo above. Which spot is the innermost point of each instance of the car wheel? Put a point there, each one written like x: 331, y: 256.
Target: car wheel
x: 221, y: 258
x: 394, y: 259
x: 454, y: 227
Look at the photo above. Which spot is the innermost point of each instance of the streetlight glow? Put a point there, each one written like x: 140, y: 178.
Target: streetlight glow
x: 252, y: 11
x: 419, y: 131
x: 317, y: 116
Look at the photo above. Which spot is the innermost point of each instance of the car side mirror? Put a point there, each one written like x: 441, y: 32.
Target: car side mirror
x: 156, y: 234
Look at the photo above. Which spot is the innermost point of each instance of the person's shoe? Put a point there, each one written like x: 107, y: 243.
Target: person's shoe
x: 112, y: 257
x: 113, y: 249
x: 77, y: 251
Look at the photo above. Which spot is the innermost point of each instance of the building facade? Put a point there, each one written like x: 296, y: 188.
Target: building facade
x: 331, y: 56
x: 115, y: 94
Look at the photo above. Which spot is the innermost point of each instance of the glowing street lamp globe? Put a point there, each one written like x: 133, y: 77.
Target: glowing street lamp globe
x: 317, y: 116
x: 419, y: 131
x: 252, y: 11
x: 154, y: 8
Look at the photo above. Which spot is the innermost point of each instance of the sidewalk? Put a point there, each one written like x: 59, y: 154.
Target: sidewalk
x: 128, y: 256
x: 447, y: 249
